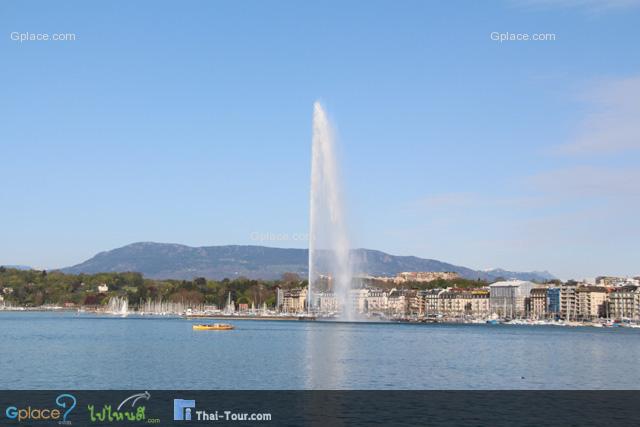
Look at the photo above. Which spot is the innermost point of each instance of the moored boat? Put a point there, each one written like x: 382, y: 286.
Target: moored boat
x: 213, y: 327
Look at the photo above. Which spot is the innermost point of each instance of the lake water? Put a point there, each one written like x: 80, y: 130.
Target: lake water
x: 70, y: 351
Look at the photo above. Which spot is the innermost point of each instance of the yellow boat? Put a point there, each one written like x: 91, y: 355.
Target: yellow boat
x: 213, y: 327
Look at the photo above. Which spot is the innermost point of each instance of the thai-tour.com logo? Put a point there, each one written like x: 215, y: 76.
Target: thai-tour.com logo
x: 58, y: 411
x: 130, y: 409
x: 185, y: 410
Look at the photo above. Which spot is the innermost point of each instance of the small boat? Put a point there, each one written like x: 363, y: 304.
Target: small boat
x: 213, y: 327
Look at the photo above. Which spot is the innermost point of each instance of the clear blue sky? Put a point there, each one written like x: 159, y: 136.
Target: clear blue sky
x: 190, y: 122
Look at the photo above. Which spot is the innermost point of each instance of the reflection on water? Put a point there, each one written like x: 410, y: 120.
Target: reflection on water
x: 326, y: 351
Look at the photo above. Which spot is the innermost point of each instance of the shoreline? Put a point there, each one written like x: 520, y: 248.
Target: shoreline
x: 241, y: 317
x: 606, y: 324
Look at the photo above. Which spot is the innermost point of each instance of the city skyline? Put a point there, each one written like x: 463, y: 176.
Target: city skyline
x: 520, y: 155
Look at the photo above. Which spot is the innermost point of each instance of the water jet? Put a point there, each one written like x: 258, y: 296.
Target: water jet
x: 329, y: 246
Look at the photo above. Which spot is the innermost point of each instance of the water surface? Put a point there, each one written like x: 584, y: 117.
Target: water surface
x: 70, y: 351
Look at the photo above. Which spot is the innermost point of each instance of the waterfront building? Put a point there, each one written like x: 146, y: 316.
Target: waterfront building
x: 464, y: 302
x: 428, y: 304
x: 377, y: 300
x: 279, y: 298
x: 448, y: 304
x: 294, y: 300
x: 510, y: 298
x: 453, y: 302
x: 396, y: 302
x: 624, y: 303
x: 553, y: 301
x: 359, y: 299
x: 103, y: 288
x: 327, y: 302
x: 568, y: 302
x: 539, y: 303
x: 480, y: 302
x: 591, y: 302
x: 412, y: 300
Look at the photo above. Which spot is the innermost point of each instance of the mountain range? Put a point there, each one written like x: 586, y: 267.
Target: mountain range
x: 174, y: 261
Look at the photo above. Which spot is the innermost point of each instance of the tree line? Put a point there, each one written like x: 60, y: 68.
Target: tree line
x: 33, y: 288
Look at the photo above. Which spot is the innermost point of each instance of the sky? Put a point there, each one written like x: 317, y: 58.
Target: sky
x: 190, y: 122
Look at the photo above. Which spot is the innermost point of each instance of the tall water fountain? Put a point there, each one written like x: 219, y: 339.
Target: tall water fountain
x: 328, y: 240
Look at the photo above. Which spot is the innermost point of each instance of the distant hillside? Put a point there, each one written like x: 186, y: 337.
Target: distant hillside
x: 172, y: 261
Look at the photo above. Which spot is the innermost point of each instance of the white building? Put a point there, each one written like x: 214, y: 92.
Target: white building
x: 396, y: 302
x: 617, y: 282
x: 510, y: 297
x: 377, y: 300
x: 359, y: 299
x: 326, y: 302
x: 294, y: 300
x: 279, y: 298
x: 429, y: 302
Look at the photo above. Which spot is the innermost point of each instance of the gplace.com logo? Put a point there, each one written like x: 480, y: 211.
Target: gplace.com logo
x: 65, y: 404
